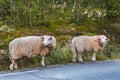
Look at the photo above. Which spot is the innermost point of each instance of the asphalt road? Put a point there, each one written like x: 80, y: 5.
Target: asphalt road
x: 100, y: 70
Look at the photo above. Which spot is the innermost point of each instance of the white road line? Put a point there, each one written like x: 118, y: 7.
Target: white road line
x: 16, y: 73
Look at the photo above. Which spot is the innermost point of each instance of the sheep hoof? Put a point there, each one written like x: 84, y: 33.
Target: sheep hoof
x: 93, y: 61
x: 81, y: 62
x: 43, y: 65
x: 73, y: 61
x: 11, y: 70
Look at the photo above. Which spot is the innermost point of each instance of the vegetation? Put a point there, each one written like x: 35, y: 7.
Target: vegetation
x: 62, y: 18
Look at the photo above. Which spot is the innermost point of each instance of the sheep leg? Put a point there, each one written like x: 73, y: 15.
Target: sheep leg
x: 74, y: 55
x: 42, y: 61
x: 74, y: 58
x: 94, y: 57
x: 12, y: 64
x: 80, y: 57
x: 15, y: 65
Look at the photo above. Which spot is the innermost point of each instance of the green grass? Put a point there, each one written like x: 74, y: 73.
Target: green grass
x: 62, y: 53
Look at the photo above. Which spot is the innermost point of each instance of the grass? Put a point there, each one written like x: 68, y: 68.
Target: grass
x: 62, y: 53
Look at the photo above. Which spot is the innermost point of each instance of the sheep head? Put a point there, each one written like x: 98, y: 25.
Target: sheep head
x: 102, y: 39
x: 48, y: 40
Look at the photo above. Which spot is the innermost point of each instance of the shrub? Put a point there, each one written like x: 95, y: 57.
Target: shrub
x: 61, y: 55
x: 112, y: 50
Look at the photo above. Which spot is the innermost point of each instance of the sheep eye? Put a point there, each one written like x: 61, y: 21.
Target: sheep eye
x: 50, y: 38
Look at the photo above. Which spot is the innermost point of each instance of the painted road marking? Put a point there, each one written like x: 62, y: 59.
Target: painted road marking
x: 8, y: 74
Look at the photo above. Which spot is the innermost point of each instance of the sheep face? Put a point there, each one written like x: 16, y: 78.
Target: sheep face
x: 103, y: 40
x: 48, y: 40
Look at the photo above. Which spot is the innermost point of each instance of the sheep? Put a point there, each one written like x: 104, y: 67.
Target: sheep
x: 84, y: 44
x: 30, y: 46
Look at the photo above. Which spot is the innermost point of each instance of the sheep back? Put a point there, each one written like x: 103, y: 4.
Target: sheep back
x: 85, y: 43
x: 26, y: 46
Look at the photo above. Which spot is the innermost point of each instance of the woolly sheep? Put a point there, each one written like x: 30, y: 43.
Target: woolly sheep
x: 30, y: 46
x: 82, y: 44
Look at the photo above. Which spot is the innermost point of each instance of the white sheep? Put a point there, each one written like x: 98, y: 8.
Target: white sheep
x: 82, y: 44
x: 30, y: 46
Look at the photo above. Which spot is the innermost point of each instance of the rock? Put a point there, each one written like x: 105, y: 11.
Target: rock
x: 5, y: 28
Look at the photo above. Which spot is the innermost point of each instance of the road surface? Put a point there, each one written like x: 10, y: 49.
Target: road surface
x: 100, y: 70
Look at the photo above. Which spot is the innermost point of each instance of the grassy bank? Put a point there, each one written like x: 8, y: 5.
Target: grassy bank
x: 62, y: 53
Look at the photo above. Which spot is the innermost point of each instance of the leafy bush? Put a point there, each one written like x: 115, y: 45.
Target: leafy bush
x: 112, y: 50
x: 61, y: 55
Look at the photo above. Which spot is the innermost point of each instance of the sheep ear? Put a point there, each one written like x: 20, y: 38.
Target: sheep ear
x: 42, y: 38
x: 97, y: 39
x: 108, y: 39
